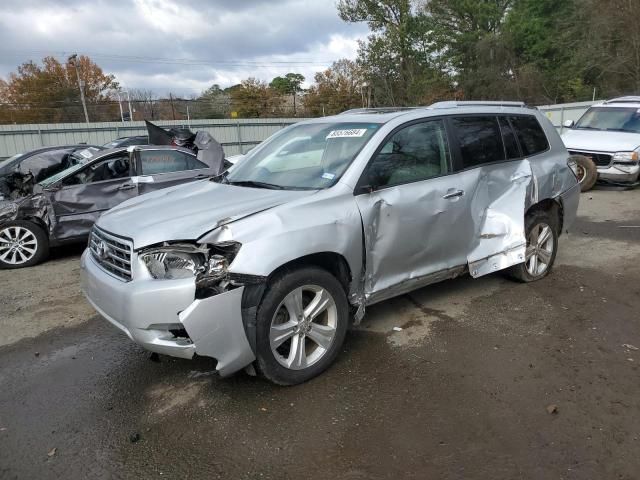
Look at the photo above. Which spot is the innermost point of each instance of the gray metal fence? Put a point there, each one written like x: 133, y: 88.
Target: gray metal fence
x: 236, y: 136
x: 558, y: 114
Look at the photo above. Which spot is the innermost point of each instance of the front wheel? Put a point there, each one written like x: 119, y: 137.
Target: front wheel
x: 301, y: 325
x: 22, y: 244
x: 542, y: 246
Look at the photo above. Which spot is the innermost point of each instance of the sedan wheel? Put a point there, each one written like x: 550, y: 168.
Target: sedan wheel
x: 303, y: 327
x: 540, y: 249
x: 18, y: 245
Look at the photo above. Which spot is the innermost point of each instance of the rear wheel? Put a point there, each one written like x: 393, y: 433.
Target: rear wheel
x: 302, y: 323
x: 542, y: 246
x: 22, y: 244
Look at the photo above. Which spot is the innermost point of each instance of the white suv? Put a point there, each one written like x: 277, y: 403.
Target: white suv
x: 606, y: 140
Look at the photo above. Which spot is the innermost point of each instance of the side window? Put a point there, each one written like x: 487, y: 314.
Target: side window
x: 415, y: 153
x: 480, y: 140
x: 155, y: 162
x: 509, y: 139
x: 530, y: 133
x: 110, y: 169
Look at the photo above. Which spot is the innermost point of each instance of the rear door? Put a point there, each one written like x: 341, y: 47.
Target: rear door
x: 165, y: 167
x: 92, y: 190
x: 497, y: 179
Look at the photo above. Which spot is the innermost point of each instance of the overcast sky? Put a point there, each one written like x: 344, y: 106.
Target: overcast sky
x: 183, y: 46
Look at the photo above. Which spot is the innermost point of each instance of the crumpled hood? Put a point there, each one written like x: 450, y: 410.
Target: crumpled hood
x: 187, y: 212
x: 600, y: 140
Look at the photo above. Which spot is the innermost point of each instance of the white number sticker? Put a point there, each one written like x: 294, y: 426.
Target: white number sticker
x: 351, y: 133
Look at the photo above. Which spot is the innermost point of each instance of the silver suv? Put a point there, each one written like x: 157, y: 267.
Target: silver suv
x: 266, y: 264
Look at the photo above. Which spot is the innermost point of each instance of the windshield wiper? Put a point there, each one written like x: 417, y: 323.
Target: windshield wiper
x: 255, y: 184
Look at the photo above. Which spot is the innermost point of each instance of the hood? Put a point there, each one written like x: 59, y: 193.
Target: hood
x: 187, y: 212
x: 600, y: 140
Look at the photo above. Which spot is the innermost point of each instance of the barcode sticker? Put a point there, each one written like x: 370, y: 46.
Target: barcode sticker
x: 350, y: 133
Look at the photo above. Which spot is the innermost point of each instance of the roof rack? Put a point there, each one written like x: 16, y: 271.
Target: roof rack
x: 629, y: 99
x: 377, y: 110
x: 477, y: 103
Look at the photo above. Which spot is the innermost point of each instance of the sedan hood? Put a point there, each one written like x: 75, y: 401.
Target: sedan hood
x: 601, y: 140
x: 187, y: 212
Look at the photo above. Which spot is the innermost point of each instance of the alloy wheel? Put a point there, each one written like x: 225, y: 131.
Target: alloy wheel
x: 18, y: 245
x: 540, y: 245
x: 303, y: 327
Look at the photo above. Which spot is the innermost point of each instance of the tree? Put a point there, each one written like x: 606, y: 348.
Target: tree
x: 50, y: 92
x: 214, y: 103
x: 396, y: 59
x: 290, y: 84
x: 337, y: 89
x: 254, y: 98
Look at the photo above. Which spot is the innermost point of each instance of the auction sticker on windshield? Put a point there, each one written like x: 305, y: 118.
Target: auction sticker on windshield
x: 350, y: 133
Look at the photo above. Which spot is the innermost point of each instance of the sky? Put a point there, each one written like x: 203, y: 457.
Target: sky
x: 182, y: 46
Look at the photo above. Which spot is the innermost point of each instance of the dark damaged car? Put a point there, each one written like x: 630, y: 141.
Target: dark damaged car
x: 62, y: 209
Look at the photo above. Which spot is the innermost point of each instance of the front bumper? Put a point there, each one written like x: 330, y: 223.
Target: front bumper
x: 147, y: 309
x: 620, y: 173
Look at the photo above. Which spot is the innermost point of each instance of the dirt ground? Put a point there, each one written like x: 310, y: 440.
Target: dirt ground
x: 464, y: 390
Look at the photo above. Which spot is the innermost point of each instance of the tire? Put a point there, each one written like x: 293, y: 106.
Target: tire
x: 587, y: 172
x: 283, y: 325
x: 33, y: 249
x: 535, y: 224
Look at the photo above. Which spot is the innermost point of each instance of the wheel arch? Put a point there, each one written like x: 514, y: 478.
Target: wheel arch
x: 552, y: 205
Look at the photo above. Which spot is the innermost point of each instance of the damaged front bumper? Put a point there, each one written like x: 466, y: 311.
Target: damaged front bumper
x: 164, y: 317
x: 620, y: 173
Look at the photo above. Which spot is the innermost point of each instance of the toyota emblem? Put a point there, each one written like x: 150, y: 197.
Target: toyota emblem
x: 103, y: 250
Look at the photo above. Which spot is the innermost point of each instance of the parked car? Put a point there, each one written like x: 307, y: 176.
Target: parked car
x: 264, y: 265
x: 62, y: 208
x: 606, y: 140
x: 128, y: 141
x: 21, y: 171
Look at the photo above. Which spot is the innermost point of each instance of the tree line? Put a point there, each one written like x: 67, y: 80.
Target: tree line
x: 417, y: 52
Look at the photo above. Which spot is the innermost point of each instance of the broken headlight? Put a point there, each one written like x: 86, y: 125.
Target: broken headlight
x: 167, y: 264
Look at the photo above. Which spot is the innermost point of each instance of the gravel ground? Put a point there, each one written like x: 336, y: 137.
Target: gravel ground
x: 487, y: 379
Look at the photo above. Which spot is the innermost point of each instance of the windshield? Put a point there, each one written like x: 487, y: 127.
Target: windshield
x: 78, y: 158
x: 619, y: 119
x: 7, y: 164
x: 311, y: 156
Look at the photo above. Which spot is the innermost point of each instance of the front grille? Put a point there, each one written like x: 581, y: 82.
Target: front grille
x: 112, y: 253
x: 600, y: 159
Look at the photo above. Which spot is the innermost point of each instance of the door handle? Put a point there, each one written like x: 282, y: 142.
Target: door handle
x: 201, y: 176
x: 453, y: 194
x: 126, y: 186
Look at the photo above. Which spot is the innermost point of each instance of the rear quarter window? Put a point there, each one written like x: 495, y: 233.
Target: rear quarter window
x: 530, y: 134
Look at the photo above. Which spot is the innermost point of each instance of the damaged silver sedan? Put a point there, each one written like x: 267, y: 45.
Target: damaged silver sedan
x: 265, y: 265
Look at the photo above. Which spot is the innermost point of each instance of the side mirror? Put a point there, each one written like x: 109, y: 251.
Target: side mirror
x: 568, y: 124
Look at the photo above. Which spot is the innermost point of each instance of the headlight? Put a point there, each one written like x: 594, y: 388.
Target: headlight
x: 208, y: 263
x: 8, y: 210
x: 625, y: 157
x: 165, y: 263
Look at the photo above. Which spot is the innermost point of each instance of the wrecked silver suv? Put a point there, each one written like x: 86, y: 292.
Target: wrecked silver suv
x: 265, y: 265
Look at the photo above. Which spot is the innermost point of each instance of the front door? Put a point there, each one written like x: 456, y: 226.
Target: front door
x: 89, y: 192
x: 414, y: 212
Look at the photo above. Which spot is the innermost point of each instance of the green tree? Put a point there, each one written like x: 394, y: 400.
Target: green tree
x: 254, y: 98
x: 396, y: 58
x: 290, y: 84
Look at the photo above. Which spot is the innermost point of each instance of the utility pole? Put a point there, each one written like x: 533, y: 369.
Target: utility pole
x: 130, y: 111
x: 72, y: 60
x: 120, y: 104
x: 173, y: 111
